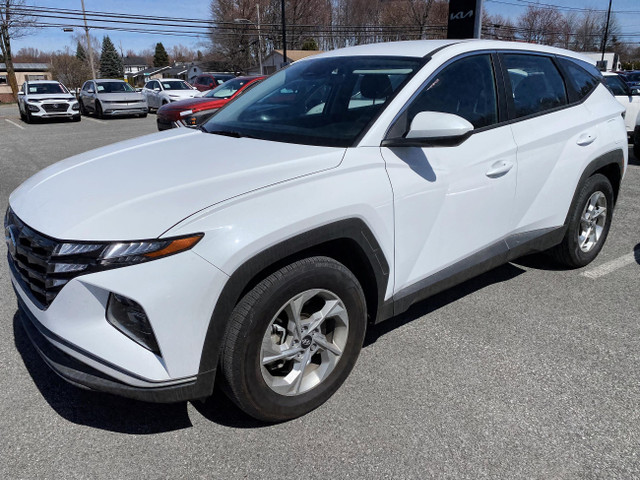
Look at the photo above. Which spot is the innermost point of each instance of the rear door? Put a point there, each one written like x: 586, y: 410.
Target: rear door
x: 551, y: 133
x: 453, y: 204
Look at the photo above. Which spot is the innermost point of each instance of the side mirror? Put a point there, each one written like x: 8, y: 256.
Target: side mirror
x: 90, y: 90
x: 430, y: 125
x: 433, y: 129
x: 20, y: 92
x: 157, y: 89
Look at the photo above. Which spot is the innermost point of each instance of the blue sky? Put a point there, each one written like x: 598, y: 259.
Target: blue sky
x: 48, y: 39
x: 55, y: 39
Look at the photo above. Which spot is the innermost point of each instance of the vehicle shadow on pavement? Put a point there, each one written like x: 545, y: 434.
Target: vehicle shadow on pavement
x: 219, y: 409
x: 95, y: 409
x: 498, y: 275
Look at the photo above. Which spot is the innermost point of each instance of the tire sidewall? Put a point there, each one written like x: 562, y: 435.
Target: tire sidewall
x: 593, y: 184
x: 262, y: 398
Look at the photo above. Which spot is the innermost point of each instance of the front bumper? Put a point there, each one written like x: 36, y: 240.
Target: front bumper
x: 84, y: 376
x: 116, y: 111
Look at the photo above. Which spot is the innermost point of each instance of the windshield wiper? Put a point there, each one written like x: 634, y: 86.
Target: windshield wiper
x: 230, y: 133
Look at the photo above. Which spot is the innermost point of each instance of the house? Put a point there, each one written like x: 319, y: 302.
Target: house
x: 611, y: 61
x: 143, y: 76
x: 275, y: 60
x: 24, y: 72
x: 133, y: 65
x: 177, y: 71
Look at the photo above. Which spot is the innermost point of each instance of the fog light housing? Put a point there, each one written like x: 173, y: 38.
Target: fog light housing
x: 129, y: 317
x: 33, y: 108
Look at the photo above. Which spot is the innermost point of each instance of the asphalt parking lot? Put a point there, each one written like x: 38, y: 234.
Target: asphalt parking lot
x: 524, y: 372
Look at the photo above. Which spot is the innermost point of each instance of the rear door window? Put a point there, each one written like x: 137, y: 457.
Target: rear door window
x: 536, y: 84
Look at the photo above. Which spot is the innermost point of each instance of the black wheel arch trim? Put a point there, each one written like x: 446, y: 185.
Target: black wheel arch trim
x: 614, y: 157
x: 352, y: 229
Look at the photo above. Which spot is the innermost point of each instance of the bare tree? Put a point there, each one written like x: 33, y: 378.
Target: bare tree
x: 497, y: 27
x: 13, y: 24
x: 69, y: 69
x: 540, y: 25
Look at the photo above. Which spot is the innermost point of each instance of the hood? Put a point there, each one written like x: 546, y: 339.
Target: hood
x: 139, y: 188
x: 181, y: 93
x: 173, y: 109
x: 50, y: 96
x: 121, y: 97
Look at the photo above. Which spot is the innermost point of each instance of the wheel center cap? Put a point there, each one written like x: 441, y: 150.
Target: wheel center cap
x: 306, y: 342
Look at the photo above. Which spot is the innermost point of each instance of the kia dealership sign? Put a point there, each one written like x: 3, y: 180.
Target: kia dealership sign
x: 465, y: 19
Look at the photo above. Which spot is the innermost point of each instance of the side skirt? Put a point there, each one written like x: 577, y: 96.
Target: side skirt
x: 499, y: 253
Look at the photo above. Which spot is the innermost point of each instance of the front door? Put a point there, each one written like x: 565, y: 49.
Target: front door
x: 452, y: 202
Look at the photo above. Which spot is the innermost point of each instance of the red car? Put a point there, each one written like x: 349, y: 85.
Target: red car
x: 195, y: 111
x: 209, y: 81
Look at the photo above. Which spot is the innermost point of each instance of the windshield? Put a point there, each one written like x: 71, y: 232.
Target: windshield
x: 46, y: 88
x: 175, y: 85
x: 322, y: 101
x: 114, y: 87
x: 616, y: 85
x: 227, y: 89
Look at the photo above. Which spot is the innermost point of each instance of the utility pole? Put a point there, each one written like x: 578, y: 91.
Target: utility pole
x: 259, y: 40
x: 606, y: 32
x: 86, y: 29
x: 284, y: 35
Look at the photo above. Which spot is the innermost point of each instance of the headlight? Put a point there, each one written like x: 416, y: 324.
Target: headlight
x: 91, y: 257
x: 33, y: 108
x: 75, y: 106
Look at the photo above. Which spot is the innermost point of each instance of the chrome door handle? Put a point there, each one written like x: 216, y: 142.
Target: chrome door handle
x: 499, y: 168
x: 586, y: 139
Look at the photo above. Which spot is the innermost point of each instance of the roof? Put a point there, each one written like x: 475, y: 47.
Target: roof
x: 294, y: 55
x: 422, y: 48
x: 151, y: 70
x: 42, y: 81
x: 26, y: 67
x: 130, y: 60
x: 177, y: 70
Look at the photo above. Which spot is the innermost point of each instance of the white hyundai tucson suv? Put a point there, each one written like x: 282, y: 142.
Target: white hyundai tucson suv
x: 330, y: 197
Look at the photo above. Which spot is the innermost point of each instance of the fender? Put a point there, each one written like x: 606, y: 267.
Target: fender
x: 614, y: 157
x: 352, y: 229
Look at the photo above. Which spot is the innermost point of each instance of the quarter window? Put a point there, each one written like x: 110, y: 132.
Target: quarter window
x: 581, y: 80
x: 466, y: 88
x: 536, y: 84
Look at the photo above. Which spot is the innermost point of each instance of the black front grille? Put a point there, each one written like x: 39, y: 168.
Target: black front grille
x: 55, y: 107
x: 37, y: 262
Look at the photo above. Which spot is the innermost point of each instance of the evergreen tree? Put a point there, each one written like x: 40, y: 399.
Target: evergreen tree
x: 160, y: 58
x: 110, y: 62
x: 80, y: 53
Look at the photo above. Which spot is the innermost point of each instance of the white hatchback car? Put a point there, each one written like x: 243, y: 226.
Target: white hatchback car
x: 166, y: 90
x: 330, y: 197
x: 46, y: 99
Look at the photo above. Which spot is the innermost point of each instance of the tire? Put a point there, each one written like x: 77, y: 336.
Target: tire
x: 83, y: 110
x: 262, y: 325
x: 23, y: 117
x: 586, y: 233
x: 28, y: 118
x: 636, y: 148
x: 99, y: 113
x: 143, y: 115
x: 76, y: 118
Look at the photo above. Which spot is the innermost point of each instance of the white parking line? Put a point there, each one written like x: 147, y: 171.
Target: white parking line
x: 15, y: 124
x: 94, y: 120
x: 613, y: 265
